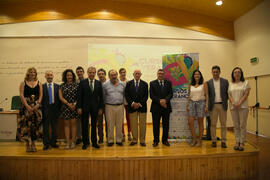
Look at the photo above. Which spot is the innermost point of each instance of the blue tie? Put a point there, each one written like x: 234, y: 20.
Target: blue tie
x: 137, y: 86
x: 50, y: 93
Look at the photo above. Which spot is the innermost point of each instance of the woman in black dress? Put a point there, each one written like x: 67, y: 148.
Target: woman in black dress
x: 29, y: 124
x: 68, y: 94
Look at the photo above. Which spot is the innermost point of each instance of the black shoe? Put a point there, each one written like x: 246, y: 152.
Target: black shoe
x: 166, y: 143
x: 143, y: 144
x: 119, y: 143
x: 95, y: 146
x: 236, y: 147
x: 54, y: 146
x: 46, y: 147
x: 132, y: 143
x: 155, y: 144
x: 214, y: 144
x: 241, y: 148
x: 100, y: 141
x: 110, y: 144
x: 223, y: 145
x: 84, y: 146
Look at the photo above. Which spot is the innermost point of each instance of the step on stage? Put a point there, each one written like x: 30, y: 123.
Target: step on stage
x: 179, y: 161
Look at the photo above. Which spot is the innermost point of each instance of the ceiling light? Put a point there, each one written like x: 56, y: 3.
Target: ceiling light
x: 219, y: 3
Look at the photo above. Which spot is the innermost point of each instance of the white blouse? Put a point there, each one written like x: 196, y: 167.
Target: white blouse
x: 237, y: 91
x: 197, y: 93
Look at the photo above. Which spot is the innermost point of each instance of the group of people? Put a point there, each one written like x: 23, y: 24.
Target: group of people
x: 212, y: 96
x: 77, y: 99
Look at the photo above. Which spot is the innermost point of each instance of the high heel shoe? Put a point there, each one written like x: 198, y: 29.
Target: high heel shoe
x: 67, y: 146
x: 129, y: 137
x: 193, y: 143
x: 72, y: 146
x: 27, y: 147
x: 33, y: 147
x: 199, y: 144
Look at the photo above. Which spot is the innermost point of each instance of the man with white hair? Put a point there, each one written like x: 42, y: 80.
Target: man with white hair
x: 50, y: 110
x: 136, y: 93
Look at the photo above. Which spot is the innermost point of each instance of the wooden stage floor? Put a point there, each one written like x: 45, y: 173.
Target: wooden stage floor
x: 179, y: 161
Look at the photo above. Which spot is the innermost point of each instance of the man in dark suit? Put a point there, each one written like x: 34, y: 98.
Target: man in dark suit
x: 90, y: 101
x: 136, y: 94
x: 218, y: 105
x: 80, y: 75
x: 50, y: 109
x: 161, y: 94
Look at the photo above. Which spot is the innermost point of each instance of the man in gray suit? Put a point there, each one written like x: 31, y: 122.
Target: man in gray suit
x: 218, y: 105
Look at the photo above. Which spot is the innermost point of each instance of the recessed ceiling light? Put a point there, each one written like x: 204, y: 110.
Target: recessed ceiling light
x: 219, y: 3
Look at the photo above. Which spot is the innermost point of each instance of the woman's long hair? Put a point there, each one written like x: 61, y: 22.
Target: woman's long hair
x: 26, y: 78
x: 193, y: 81
x: 64, y: 75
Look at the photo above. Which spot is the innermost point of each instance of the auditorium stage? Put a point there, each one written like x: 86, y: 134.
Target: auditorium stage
x: 180, y: 161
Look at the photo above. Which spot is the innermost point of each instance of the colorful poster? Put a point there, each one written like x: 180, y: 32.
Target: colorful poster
x: 147, y: 58
x: 178, y: 69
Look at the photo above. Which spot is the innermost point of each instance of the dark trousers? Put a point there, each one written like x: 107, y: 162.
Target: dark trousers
x: 85, y: 127
x: 50, y: 118
x: 156, y: 116
x: 100, y: 126
x: 208, y: 128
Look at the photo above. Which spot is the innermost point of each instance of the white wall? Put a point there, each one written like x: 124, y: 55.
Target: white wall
x: 68, y: 40
x: 252, y: 34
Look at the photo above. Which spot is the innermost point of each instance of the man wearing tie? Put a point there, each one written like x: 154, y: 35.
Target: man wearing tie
x: 90, y: 101
x: 136, y: 93
x: 50, y: 109
x: 161, y: 94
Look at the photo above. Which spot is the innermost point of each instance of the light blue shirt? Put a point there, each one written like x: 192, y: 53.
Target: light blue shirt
x: 113, y: 94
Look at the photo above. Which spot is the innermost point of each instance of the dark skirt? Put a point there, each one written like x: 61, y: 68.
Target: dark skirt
x: 29, y: 124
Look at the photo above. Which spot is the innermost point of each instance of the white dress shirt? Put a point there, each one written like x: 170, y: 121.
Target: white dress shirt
x: 217, y: 90
x: 93, y: 83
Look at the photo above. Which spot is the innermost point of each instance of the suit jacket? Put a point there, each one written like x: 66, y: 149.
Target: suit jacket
x: 88, y: 100
x: 156, y: 94
x: 224, y: 85
x: 139, y: 97
x: 45, y: 99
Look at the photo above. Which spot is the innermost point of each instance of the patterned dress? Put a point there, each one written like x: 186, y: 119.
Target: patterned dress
x: 70, y: 93
x: 29, y: 123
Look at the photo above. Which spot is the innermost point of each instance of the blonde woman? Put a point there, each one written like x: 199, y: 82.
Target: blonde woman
x: 238, y: 96
x: 29, y: 127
